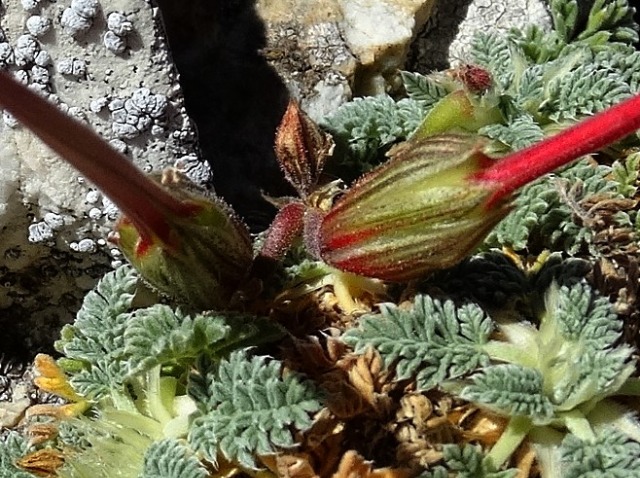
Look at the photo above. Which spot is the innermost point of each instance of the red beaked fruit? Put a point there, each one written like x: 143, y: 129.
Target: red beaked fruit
x: 438, y: 196
x: 189, y: 247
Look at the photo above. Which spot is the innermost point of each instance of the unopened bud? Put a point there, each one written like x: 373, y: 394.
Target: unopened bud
x: 417, y: 213
x: 301, y: 148
x: 205, y: 258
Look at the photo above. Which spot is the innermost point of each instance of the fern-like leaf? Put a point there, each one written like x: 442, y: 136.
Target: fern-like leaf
x: 519, y: 133
x: 610, y: 20
x: 585, y: 91
x: 170, y: 458
x: 95, y: 341
x: 161, y: 335
x: 494, y: 52
x: 432, y: 341
x: 511, y: 390
x: 248, y: 408
x: 564, y: 14
x: 581, y: 358
x: 423, y: 89
x: 625, y: 173
x: 467, y: 462
x: 366, y: 126
x: 610, y: 455
x: 12, y: 447
x: 547, y: 212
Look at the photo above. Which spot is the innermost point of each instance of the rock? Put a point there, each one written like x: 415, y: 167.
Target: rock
x: 331, y: 50
x: 53, y: 223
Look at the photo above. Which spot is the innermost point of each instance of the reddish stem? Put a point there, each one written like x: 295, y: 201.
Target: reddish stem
x: 524, y: 166
x: 141, y: 199
x: 286, y: 226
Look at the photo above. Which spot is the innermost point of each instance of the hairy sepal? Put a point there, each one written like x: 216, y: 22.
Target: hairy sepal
x: 204, y: 261
x: 417, y: 213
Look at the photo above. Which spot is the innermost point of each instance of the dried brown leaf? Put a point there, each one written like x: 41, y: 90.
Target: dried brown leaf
x: 353, y: 465
x: 42, y: 462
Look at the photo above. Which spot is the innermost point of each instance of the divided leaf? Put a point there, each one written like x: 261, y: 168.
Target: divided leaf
x: 611, y: 454
x: 160, y: 335
x: 423, y: 88
x: 519, y: 133
x: 433, y: 341
x: 248, y: 408
x: 12, y: 447
x: 99, y: 326
x: 543, y: 215
x: 580, y: 361
x: 511, y: 390
x: 170, y: 458
x: 365, y: 127
x: 468, y: 462
x: 94, y: 344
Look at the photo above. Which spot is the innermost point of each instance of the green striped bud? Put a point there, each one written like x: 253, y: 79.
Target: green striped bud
x: 202, y: 260
x: 417, y: 213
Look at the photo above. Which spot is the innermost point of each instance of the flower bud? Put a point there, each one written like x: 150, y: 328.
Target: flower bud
x: 461, y: 111
x: 417, y: 213
x: 204, y: 259
x: 301, y: 148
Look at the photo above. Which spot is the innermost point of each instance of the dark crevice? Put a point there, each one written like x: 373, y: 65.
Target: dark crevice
x: 234, y: 97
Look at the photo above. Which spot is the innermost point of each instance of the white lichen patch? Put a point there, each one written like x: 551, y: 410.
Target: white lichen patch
x: 25, y: 50
x: 38, y: 25
x: 78, y: 18
x: 30, y: 5
x: 73, y: 67
x: 119, y: 26
x: 134, y: 115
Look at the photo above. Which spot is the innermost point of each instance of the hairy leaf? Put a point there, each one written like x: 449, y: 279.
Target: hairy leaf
x: 543, y: 216
x: 494, y: 52
x: 367, y: 126
x: 610, y: 455
x: 13, y: 447
x: 610, y: 20
x: 248, y: 408
x: 433, y: 341
x: 161, y: 335
x: 580, y: 361
x: 467, y: 462
x: 519, y: 133
x: 625, y: 174
x: 423, y: 88
x: 170, y: 458
x: 511, y: 390
x: 584, y: 91
x: 96, y: 338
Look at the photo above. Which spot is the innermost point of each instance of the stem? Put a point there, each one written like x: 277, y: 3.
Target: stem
x: 577, y: 424
x: 511, y: 437
x: 524, y: 166
x: 141, y: 199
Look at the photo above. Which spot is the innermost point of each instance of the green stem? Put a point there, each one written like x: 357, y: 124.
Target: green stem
x: 577, y: 424
x: 515, y: 432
